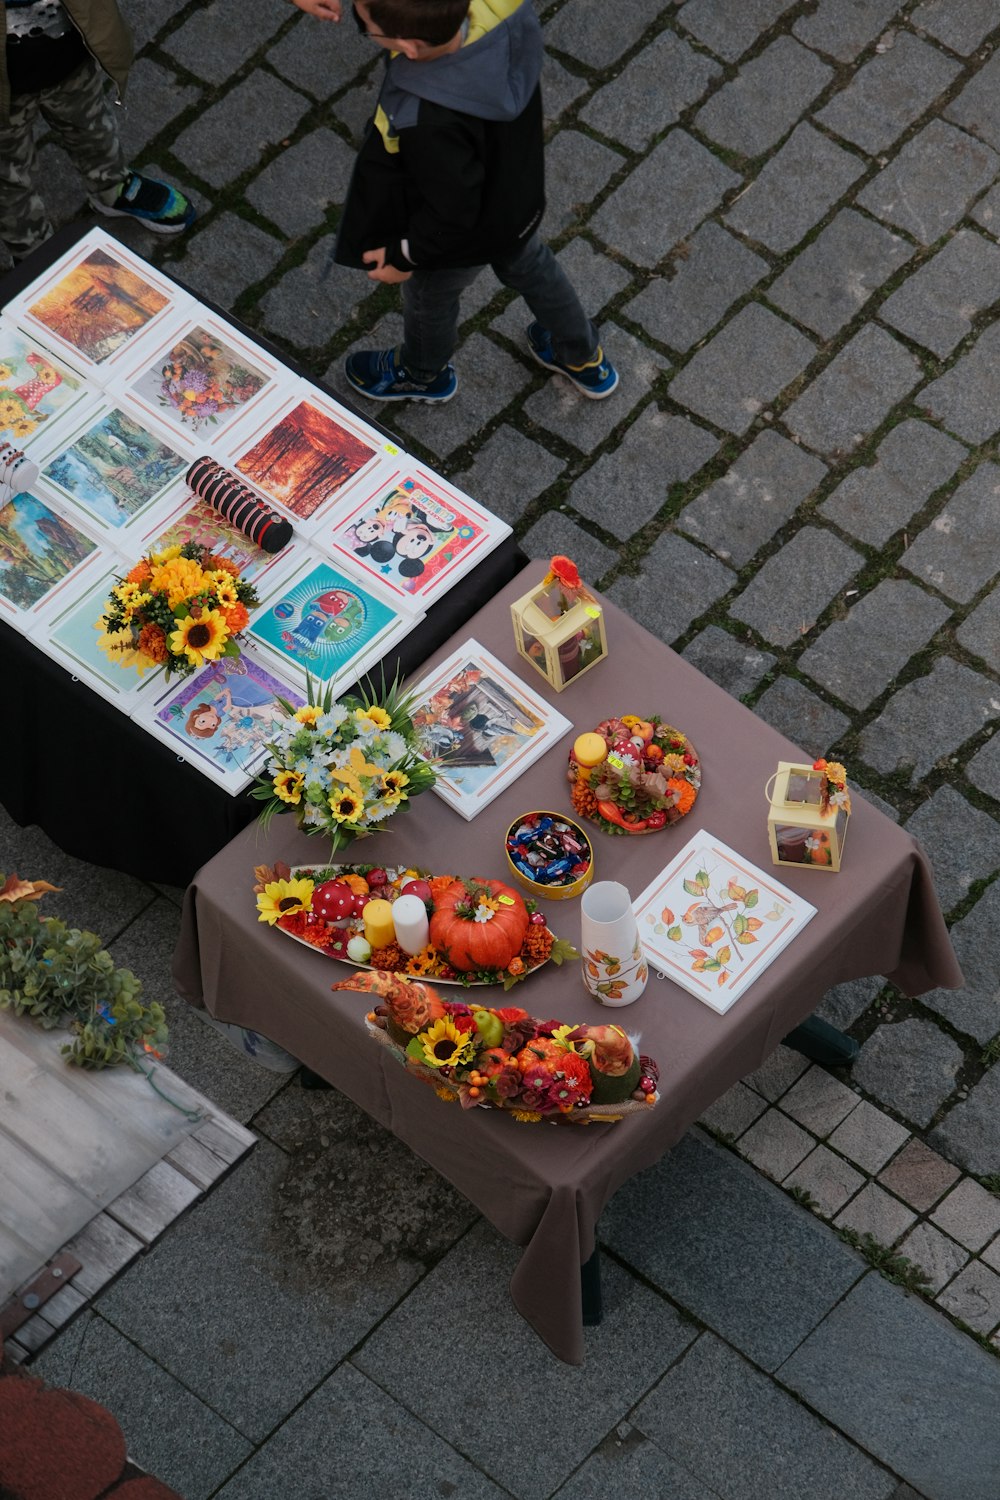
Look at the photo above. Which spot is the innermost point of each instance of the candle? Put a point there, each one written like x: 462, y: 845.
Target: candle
x: 409, y: 916
x: 379, y: 928
x: 589, y: 750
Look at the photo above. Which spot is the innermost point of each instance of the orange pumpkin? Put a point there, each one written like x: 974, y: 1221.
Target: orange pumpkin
x: 469, y: 944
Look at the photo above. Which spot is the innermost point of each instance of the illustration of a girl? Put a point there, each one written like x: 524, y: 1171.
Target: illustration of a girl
x: 241, y: 715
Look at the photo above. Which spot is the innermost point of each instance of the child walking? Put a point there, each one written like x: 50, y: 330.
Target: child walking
x: 449, y: 179
x: 56, y: 63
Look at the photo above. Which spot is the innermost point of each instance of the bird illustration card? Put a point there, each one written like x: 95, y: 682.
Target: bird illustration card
x: 712, y: 922
x: 413, y: 531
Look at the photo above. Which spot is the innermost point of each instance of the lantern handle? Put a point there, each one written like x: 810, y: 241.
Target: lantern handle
x: 769, y: 784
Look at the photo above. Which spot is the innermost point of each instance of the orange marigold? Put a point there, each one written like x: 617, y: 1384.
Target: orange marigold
x: 684, y: 792
x: 153, y: 643
x: 236, y: 618
x: 583, y: 799
x: 213, y: 564
x: 439, y: 884
x: 390, y: 957
x: 140, y: 574
x: 537, y: 945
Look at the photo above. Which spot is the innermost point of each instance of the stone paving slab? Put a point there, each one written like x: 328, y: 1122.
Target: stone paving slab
x: 829, y: 282
x: 900, y: 616
x: 844, y: 31
x: 730, y: 27
x: 597, y: 36
x: 751, y: 113
x: 976, y: 1008
x: 970, y: 1132
x: 222, y: 35
x: 855, y: 393
x: 888, y: 93
x: 296, y: 190
x: 720, y: 656
x: 314, y: 301
x: 732, y: 378
x: 909, y: 1388
x: 696, y: 582
x: 321, y: 59
x: 964, y: 399
x: 509, y: 471
x: 794, y: 190
x: 937, y: 1256
x: 928, y: 719
x: 828, y: 1179
x: 560, y: 408
x: 876, y: 1213
x: 983, y: 770
x: 489, y: 380
x: 929, y: 185
x: 911, y: 1066
x: 577, y: 168
x: 874, y: 502
x: 658, y: 450
x: 555, y: 533
x: 714, y: 271
x: 970, y: 1214
x: 937, y: 305
x: 628, y: 1463
x: 976, y: 107
x: 788, y: 706
x: 683, y: 179
x: 962, y: 843
x: 974, y: 1297
x: 651, y: 91
x: 960, y: 27
x: 795, y: 585
x: 735, y: 1429
x: 230, y: 137
x: 706, y: 1202
x: 918, y: 1175
x: 979, y: 632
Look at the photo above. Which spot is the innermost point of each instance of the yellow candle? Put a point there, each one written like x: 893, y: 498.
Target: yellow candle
x: 379, y: 929
x: 589, y: 751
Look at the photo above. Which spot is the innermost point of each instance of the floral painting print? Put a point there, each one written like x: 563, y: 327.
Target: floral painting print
x: 201, y: 382
x: 98, y: 306
x: 34, y: 386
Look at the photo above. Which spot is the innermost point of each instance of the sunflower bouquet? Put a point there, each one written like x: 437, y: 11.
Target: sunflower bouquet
x: 180, y: 608
x: 344, y: 768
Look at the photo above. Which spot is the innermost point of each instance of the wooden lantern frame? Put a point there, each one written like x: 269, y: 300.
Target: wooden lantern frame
x: 801, y: 835
x: 546, y: 641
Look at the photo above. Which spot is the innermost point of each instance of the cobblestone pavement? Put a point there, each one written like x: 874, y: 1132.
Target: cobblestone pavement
x: 787, y: 217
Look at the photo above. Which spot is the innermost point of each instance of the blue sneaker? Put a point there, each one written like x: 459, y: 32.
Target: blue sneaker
x: 380, y: 375
x: 595, y: 380
x: 155, y: 205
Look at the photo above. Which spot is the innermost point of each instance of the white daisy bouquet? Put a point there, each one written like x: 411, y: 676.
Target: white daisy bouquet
x: 344, y: 767
x: 179, y: 608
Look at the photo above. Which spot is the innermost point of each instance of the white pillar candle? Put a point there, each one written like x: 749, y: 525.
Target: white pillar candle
x: 409, y: 917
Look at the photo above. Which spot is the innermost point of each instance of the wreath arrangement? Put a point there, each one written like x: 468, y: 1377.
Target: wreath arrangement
x: 648, y: 777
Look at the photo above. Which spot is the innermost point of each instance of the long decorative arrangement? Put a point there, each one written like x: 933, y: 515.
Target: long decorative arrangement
x: 505, y: 1059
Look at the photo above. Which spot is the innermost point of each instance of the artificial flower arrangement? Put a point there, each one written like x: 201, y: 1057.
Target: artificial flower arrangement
x: 59, y: 976
x: 634, y: 775
x: 343, y: 768
x: 833, y: 787
x: 179, y: 608
x: 479, y: 932
x: 505, y: 1059
x: 559, y: 625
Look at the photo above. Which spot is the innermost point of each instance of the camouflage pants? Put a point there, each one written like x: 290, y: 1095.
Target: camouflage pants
x: 81, y: 116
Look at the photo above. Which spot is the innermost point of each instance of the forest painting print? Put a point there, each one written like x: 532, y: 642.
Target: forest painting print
x: 304, y: 459
x: 115, y: 468
x: 38, y: 550
x: 98, y: 306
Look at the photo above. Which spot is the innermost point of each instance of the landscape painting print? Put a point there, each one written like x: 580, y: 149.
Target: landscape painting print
x: 98, y: 305
x: 712, y: 922
x: 200, y: 382
x: 483, y: 724
x: 222, y: 718
x: 115, y: 468
x: 35, y: 387
x: 38, y: 551
x: 416, y: 534
x: 322, y: 621
x: 304, y: 458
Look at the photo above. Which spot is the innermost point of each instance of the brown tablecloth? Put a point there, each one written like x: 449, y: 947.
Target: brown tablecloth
x: 543, y: 1185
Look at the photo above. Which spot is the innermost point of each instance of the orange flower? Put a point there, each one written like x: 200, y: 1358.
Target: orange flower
x: 357, y: 883
x: 236, y: 618
x: 439, y: 884
x: 516, y: 966
x: 140, y: 574
x: 684, y: 792
x: 153, y: 643
x: 213, y: 564
x: 565, y: 572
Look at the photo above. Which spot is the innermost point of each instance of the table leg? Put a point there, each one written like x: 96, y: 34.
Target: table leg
x: 822, y: 1043
x: 590, y: 1287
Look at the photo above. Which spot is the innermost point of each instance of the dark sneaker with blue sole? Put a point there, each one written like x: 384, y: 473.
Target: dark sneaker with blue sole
x: 595, y: 380
x: 155, y: 205
x: 380, y: 375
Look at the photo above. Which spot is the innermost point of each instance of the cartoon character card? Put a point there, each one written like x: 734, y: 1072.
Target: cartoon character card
x: 413, y: 532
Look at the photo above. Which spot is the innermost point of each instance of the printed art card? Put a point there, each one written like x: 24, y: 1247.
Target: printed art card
x: 97, y: 301
x: 72, y: 637
x: 221, y: 718
x: 194, y: 520
x: 198, y: 375
x: 412, y: 531
x: 325, y: 623
x: 113, y: 468
x: 37, y: 388
x: 304, y: 454
x: 45, y: 559
x: 483, y: 724
x: 712, y: 922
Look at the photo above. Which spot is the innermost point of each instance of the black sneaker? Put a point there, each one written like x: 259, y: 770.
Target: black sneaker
x: 156, y: 205
x: 596, y: 379
x: 380, y: 375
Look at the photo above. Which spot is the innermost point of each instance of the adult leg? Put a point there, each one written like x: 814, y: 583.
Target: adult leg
x: 430, y: 318
x: 24, y: 222
x: 537, y: 275
x: 82, y: 117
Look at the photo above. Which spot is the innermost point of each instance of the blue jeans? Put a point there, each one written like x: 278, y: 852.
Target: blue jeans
x: 431, y: 299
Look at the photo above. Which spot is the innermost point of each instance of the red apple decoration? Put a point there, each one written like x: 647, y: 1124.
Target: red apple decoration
x: 418, y: 888
x: 377, y: 878
x: 333, y: 901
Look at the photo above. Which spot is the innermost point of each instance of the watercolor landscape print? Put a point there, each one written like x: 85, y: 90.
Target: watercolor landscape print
x: 38, y: 550
x: 99, y: 305
x: 34, y: 386
x: 201, y: 382
x: 115, y: 468
x: 304, y: 459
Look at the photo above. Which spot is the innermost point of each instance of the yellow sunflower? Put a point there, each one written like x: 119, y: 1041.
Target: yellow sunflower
x: 345, y: 805
x: 308, y: 713
x: 224, y: 589
x: 372, y: 718
x: 444, y: 1045
x: 201, y: 639
x: 279, y: 898
x: 288, y: 786
x: 393, y: 789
